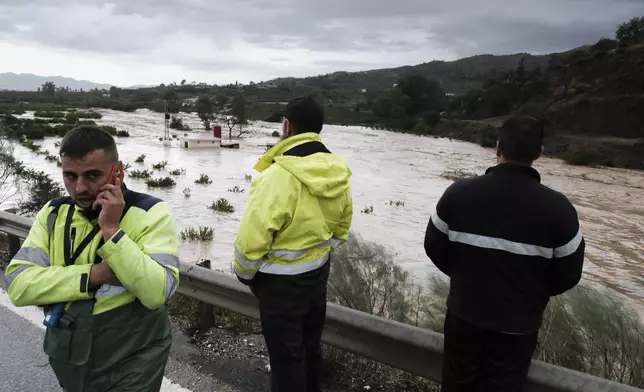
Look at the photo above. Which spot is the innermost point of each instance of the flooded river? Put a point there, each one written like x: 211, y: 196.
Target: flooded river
x: 386, y: 167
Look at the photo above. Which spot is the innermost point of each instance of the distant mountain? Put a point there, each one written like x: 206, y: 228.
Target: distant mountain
x: 31, y: 82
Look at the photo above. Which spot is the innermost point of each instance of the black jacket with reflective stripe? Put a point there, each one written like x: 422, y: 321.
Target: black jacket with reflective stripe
x: 508, y: 243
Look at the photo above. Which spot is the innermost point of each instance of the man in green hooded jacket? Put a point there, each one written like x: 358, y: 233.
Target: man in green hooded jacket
x: 108, y: 256
x: 299, y: 209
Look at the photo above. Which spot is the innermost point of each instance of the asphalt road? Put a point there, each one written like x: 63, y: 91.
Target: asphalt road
x: 23, y: 365
x: 25, y: 368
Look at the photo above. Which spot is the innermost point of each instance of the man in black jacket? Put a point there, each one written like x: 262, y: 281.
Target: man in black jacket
x: 508, y: 243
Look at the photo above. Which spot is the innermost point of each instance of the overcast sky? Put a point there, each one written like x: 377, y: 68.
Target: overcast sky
x: 128, y: 42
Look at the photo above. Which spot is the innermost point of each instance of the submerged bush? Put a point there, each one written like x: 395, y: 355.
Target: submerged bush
x: 140, y: 174
x: 110, y: 129
x: 164, y: 182
x: 89, y: 114
x: 49, y: 114
x: 201, y: 233
x: 236, y: 189
x: 160, y: 165
x: 140, y: 158
x: 222, y: 205
x: 203, y: 180
x: 457, y: 174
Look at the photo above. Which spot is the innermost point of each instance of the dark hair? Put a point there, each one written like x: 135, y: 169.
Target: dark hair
x: 83, y: 139
x: 521, y: 138
x: 305, y: 114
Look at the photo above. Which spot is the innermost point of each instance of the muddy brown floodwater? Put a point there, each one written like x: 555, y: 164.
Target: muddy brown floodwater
x: 386, y: 167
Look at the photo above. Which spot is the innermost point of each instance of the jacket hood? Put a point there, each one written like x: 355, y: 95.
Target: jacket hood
x: 325, y: 175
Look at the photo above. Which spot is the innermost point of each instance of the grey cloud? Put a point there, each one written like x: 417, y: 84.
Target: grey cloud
x: 155, y: 29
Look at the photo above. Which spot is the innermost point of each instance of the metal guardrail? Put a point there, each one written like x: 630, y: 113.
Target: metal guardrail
x: 415, y: 350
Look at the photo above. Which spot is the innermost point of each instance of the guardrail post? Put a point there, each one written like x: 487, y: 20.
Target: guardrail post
x: 13, y: 241
x: 206, y: 315
x: 14, y: 245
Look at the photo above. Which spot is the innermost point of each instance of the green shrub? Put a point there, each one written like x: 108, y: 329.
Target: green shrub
x: 236, y: 189
x: 365, y: 276
x: 164, y: 182
x: 422, y: 129
x: 367, y: 210
x: 140, y: 158
x: 61, y: 130
x: 177, y: 172
x: 582, y: 155
x: 488, y: 137
x: 140, y: 174
x: 40, y: 189
x: 52, y: 158
x: 122, y: 133
x: 604, y: 45
x: 90, y: 114
x: 160, y: 165
x: 71, y: 118
x: 457, y: 174
x: 201, y: 233
x: 586, y: 329
x: 49, y: 114
x: 203, y: 180
x: 30, y: 145
x: 110, y: 129
x: 222, y: 205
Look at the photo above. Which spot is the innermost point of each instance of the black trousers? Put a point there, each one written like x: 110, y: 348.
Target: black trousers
x: 479, y: 360
x: 293, y: 332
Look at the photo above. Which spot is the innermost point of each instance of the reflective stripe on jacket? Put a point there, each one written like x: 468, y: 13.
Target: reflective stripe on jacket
x: 143, y: 255
x: 299, y: 209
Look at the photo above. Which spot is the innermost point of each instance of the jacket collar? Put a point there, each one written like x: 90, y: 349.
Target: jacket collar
x: 280, y: 148
x: 510, y: 168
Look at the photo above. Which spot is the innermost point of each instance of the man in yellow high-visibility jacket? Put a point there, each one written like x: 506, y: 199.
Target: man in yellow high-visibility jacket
x: 108, y: 256
x: 299, y: 210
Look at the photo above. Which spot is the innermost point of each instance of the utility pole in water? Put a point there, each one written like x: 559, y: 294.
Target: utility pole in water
x: 166, y: 134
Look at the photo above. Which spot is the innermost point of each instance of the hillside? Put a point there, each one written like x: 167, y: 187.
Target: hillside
x: 591, y: 99
x: 30, y: 82
x: 454, y: 76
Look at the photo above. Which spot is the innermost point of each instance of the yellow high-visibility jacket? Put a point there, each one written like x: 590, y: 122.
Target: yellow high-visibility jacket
x: 143, y: 255
x: 299, y: 209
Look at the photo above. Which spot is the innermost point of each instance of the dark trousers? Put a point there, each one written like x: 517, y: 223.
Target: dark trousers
x: 479, y: 360
x: 293, y: 332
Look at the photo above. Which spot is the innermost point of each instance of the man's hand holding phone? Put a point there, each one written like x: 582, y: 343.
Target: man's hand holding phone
x: 112, y: 204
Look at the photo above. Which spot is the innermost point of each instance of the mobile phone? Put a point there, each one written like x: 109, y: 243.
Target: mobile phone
x: 115, y: 173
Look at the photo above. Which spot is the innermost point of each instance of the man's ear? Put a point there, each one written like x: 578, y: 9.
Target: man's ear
x: 290, y: 128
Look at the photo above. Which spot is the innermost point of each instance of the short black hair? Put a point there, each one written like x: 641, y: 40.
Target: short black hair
x: 521, y: 139
x: 305, y: 114
x: 83, y: 139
